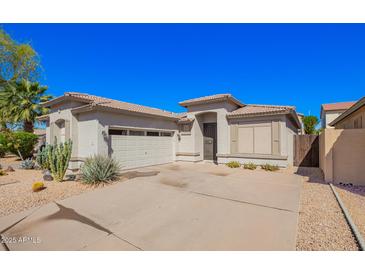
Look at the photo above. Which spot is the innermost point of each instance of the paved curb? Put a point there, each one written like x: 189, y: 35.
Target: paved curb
x: 352, y: 225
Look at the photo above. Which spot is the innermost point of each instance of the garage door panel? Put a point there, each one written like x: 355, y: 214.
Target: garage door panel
x: 138, y: 151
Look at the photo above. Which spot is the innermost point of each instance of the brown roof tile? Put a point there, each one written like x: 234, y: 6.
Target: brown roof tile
x: 211, y: 98
x: 251, y: 110
x: 114, y: 104
x: 337, y: 106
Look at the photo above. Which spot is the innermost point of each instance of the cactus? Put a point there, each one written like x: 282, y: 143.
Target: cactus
x: 27, y: 164
x: 42, y: 157
x: 58, y: 156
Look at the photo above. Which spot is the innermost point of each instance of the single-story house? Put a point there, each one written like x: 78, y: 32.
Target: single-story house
x: 217, y: 128
x: 330, y: 112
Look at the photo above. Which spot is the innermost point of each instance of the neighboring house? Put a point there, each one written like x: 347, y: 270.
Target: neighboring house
x: 342, y: 148
x: 301, y: 130
x: 330, y: 112
x: 214, y: 128
x: 354, y: 117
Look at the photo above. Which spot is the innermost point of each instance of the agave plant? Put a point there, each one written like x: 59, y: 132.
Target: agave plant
x: 27, y: 164
x: 98, y: 169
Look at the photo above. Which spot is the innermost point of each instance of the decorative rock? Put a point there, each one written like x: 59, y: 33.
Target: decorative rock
x: 47, y: 176
x: 71, y: 177
x: 10, y: 169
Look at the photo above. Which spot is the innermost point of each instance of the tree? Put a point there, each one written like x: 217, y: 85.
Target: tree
x: 20, y: 102
x: 310, y: 122
x: 17, y: 61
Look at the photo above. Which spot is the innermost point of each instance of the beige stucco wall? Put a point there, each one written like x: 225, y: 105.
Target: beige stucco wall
x: 287, y: 130
x: 206, y: 113
x: 342, y: 155
x: 59, y: 112
x: 349, y: 121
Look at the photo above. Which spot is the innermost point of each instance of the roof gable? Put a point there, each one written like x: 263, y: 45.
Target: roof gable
x: 264, y: 110
x: 97, y: 102
x: 211, y: 99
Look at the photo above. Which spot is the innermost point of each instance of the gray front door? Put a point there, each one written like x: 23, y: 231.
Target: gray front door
x: 210, y: 141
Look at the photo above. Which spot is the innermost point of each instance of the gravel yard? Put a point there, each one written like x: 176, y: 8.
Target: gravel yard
x: 322, y: 225
x: 354, y: 199
x: 16, y: 189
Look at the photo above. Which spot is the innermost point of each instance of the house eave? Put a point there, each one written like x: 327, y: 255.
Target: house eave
x: 63, y: 98
x: 263, y: 114
x: 210, y: 101
x: 96, y: 107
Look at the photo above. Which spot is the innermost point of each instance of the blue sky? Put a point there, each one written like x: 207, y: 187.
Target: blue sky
x: 159, y: 65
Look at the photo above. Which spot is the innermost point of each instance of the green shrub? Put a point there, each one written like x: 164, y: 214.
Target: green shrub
x: 250, y: 166
x: 27, y: 164
x: 3, y: 146
x: 269, y: 167
x: 99, y: 169
x: 2, y: 151
x: 42, y: 157
x: 58, y: 157
x: 233, y: 164
x: 20, y: 143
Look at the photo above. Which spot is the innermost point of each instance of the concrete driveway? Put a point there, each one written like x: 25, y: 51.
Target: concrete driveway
x: 184, y: 207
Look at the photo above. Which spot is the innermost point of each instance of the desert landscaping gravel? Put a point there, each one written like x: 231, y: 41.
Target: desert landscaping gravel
x: 322, y: 225
x: 353, y: 197
x: 16, y: 189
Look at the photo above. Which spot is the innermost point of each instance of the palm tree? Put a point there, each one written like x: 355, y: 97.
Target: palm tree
x: 20, y: 102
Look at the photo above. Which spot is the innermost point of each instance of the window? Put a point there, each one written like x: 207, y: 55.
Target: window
x: 136, y: 133
x: 169, y: 134
x: 153, y: 133
x: 117, y: 132
x: 358, y: 123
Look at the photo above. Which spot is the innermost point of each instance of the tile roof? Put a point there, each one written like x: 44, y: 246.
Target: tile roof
x: 337, y: 106
x: 97, y: 101
x: 211, y: 98
x: 253, y: 110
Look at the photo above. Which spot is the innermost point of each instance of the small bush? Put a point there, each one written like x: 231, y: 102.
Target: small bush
x: 250, y: 166
x: 233, y: 164
x: 2, y: 172
x: 98, y: 169
x: 38, y: 186
x: 269, y: 167
x: 2, y: 151
x: 27, y: 164
x: 20, y: 143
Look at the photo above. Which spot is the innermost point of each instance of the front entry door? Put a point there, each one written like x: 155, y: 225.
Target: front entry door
x: 210, y: 141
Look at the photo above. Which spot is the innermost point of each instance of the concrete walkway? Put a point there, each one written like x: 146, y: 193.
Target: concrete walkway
x: 183, y: 207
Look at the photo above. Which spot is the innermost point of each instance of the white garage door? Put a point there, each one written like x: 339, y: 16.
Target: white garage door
x: 139, y: 151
